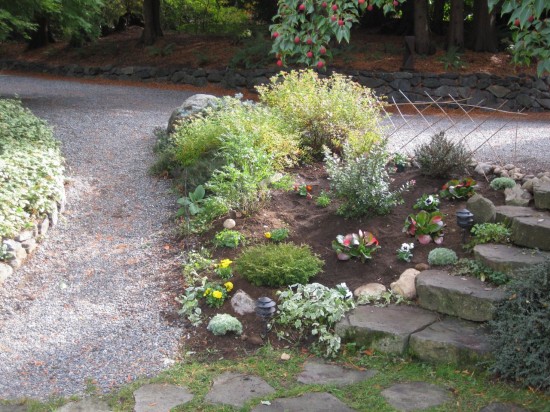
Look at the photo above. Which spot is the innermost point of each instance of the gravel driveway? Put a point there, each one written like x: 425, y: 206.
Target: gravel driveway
x: 87, y: 306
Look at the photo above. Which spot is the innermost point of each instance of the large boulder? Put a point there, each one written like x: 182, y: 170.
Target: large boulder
x: 541, y: 191
x: 190, y: 107
x: 516, y: 196
x: 482, y: 208
x: 405, y: 286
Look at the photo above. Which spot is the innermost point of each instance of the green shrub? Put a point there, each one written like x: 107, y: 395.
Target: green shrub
x: 363, y: 182
x: 521, y: 329
x: 442, y: 256
x: 473, y: 268
x: 314, y: 309
x: 31, y: 168
x: 441, y: 157
x: 326, y: 111
x: 489, y: 233
x: 223, y: 323
x: 278, y: 264
x: 501, y: 183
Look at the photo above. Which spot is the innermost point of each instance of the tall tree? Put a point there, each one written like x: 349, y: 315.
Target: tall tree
x: 484, y: 28
x: 456, y: 25
x: 151, y: 16
x: 438, y: 14
x: 421, y: 27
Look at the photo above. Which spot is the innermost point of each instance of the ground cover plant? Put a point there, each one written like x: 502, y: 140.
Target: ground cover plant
x: 31, y: 169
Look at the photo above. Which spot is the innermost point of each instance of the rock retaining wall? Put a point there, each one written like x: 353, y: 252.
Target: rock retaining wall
x: 510, y: 93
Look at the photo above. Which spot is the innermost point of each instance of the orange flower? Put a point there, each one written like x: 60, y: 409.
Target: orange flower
x: 309, y: 188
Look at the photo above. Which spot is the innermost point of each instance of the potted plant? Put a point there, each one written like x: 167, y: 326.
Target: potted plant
x: 355, y: 245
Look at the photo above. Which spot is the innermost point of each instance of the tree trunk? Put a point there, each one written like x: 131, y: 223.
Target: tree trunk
x: 151, y: 16
x: 421, y: 29
x: 456, y: 26
x: 438, y: 12
x: 484, y: 30
x: 41, y: 36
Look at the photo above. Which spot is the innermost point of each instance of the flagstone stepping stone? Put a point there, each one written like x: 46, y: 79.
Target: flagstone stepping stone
x: 158, y: 397
x: 503, y: 407
x: 318, y: 372
x: 467, y: 298
x: 507, y: 258
x: 529, y: 227
x: 13, y: 408
x: 86, y: 405
x: 385, y: 329
x: 308, y: 402
x: 236, y: 389
x: 414, y: 396
x: 452, y: 340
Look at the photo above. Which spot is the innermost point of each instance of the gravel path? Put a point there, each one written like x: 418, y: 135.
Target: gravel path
x: 87, y: 306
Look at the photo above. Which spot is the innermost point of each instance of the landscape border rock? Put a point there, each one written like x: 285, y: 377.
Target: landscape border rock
x: 507, y: 93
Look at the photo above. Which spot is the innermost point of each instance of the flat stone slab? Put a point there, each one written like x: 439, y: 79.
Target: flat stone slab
x: 86, y: 405
x: 415, y: 396
x: 507, y: 213
x: 541, y: 192
x: 452, y: 340
x: 467, y: 298
x: 318, y: 372
x: 532, y: 232
x: 507, y: 258
x: 503, y: 407
x: 308, y: 402
x: 384, y: 329
x: 236, y: 389
x: 160, y: 397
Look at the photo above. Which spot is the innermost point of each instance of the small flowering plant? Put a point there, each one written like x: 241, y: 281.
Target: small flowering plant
x: 215, y: 294
x: 303, y: 190
x: 355, y: 245
x: 404, y: 253
x: 224, y: 269
x: 425, y: 226
x: 429, y: 203
x: 458, y: 189
x: 277, y: 235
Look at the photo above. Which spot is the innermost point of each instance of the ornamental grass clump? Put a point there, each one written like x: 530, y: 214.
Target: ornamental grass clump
x: 278, y: 264
x: 520, y: 329
x: 440, y: 157
x: 222, y: 323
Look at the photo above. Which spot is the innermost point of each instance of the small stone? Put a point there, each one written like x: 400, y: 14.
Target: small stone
x: 5, y: 272
x: 422, y: 266
x: 517, y: 176
x: 405, y: 286
x: 54, y: 215
x: 24, y: 235
x: 497, y: 170
x: 44, y: 226
x: 285, y: 356
x: 516, y: 196
x: 483, y: 168
x: 529, y: 184
x: 242, y: 303
x: 504, y: 173
x: 229, y: 224
x: 509, y: 166
x: 255, y: 340
x: 29, y: 245
x: 371, y: 290
x: 160, y: 397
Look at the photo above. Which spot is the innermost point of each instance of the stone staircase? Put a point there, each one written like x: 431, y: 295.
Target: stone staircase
x: 448, y: 324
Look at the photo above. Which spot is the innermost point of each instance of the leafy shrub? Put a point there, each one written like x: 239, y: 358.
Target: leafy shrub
x: 315, y: 309
x: 521, y: 329
x: 228, y: 238
x: 501, y: 183
x: 442, y: 256
x: 441, y: 157
x: 223, y: 323
x: 363, y: 182
x: 31, y: 168
x: 473, y: 268
x: 253, y: 54
x: 327, y: 111
x: 278, y: 264
x: 489, y: 233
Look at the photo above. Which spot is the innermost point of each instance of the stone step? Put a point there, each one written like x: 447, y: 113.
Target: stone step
x: 507, y: 258
x: 463, y: 297
x: 541, y: 192
x: 452, y: 340
x: 384, y: 329
x: 529, y: 227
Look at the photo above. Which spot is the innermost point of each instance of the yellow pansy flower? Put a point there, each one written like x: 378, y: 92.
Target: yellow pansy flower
x: 217, y: 294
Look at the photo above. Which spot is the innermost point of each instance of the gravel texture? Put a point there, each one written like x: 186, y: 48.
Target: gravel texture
x: 87, y: 307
